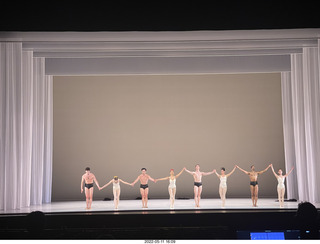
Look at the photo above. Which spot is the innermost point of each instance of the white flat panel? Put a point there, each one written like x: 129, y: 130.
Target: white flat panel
x: 165, y: 65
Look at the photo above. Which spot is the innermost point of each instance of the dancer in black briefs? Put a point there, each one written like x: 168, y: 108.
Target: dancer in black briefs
x: 197, y: 175
x: 254, y: 188
x: 144, y: 188
x: 88, y: 178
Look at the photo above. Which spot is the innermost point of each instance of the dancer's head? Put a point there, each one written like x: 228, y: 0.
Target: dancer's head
x: 115, y: 178
x: 252, y: 167
x: 223, y: 170
x: 197, y: 167
x: 87, y: 170
x: 143, y: 170
x: 280, y: 171
x: 171, y: 172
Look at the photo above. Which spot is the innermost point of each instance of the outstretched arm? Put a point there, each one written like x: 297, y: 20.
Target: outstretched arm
x: 132, y: 184
x: 289, y: 172
x: 106, y: 184
x: 208, y: 173
x: 274, y: 171
x: 261, y: 172
x: 164, y: 178
x: 124, y: 182
x: 231, y: 171
x: 180, y: 173
x: 246, y: 172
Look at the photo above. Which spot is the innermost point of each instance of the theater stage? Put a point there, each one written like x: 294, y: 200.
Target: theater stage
x: 70, y: 220
x: 155, y: 204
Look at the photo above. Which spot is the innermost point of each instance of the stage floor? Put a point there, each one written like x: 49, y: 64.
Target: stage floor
x: 155, y: 204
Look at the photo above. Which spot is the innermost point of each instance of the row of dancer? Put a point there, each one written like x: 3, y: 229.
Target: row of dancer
x: 88, y: 178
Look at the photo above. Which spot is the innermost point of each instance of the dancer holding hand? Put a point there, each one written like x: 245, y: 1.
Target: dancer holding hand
x: 144, y: 188
x: 197, y: 176
x: 254, y: 188
x: 116, y: 189
x: 223, y: 183
x: 172, y: 185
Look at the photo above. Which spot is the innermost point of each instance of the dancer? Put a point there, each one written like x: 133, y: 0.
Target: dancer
x: 116, y: 189
x: 281, y: 188
x: 197, y: 175
x: 88, y: 178
x: 144, y: 188
x: 172, y: 185
x: 223, y: 183
x: 254, y: 188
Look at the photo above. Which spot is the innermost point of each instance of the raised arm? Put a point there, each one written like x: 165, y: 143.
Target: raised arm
x: 180, y: 173
x: 124, y: 182
x: 289, y: 172
x: 208, y: 173
x: 132, y: 184
x: 106, y: 184
x: 261, y: 172
x: 81, y: 186
x: 274, y: 171
x: 231, y: 171
x: 188, y: 171
x: 217, y: 174
x: 246, y: 172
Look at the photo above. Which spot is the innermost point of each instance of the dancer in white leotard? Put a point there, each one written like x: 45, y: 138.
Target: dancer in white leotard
x: 281, y: 187
x: 223, y: 184
x: 116, y: 189
x: 172, y: 185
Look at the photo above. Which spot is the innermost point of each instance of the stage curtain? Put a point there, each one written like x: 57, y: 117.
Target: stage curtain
x: 25, y: 158
x: 301, y: 123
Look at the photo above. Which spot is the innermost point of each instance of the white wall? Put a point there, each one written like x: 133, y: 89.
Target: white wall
x: 119, y: 124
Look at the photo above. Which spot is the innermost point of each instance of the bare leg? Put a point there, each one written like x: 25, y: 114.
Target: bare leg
x: 90, y: 197
x: 195, y: 189
x: 172, y: 193
x: 116, y: 196
x: 87, y: 197
x: 252, y: 194
x: 222, y: 192
x: 256, y: 190
x: 142, y: 196
x: 281, y: 196
x: 199, y: 195
x: 146, y: 192
x: 173, y: 196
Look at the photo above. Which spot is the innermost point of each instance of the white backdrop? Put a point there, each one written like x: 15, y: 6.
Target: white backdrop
x: 25, y: 128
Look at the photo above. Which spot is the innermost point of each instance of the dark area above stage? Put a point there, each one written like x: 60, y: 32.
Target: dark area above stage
x: 160, y: 16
